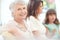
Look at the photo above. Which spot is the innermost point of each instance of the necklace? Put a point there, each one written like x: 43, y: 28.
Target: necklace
x: 22, y: 27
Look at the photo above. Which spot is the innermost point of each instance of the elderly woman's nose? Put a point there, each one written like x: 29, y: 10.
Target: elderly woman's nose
x: 22, y: 10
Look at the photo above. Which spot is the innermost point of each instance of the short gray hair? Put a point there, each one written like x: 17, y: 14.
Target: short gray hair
x: 17, y: 2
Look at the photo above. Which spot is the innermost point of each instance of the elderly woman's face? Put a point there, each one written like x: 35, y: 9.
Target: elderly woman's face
x: 20, y: 11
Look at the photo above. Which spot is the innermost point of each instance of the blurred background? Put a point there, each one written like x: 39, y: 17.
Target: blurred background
x: 5, y: 13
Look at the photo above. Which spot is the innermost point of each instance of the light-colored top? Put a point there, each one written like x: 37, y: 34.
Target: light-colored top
x: 24, y: 35
x: 52, y: 27
x: 34, y: 25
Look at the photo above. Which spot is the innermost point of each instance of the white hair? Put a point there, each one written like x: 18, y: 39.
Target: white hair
x: 17, y: 2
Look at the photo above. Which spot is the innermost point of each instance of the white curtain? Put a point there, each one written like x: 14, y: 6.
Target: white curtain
x: 58, y: 8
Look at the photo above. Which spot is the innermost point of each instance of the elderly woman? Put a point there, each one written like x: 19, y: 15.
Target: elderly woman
x: 17, y: 29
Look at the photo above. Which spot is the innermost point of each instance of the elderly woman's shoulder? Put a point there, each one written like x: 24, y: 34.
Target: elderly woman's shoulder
x: 10, y: 23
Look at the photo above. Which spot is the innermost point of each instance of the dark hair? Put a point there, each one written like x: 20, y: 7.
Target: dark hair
x: 51, y: 12
x: 33, y: 6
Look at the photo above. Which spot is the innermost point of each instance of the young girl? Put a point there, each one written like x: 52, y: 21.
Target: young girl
x: 52, y: 24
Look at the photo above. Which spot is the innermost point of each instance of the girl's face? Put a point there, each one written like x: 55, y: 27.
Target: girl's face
x: 20, y: 11
x: 52, y: 18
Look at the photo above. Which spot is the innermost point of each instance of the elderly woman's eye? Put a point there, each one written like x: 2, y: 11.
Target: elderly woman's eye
x: 19, y: 9
x: 24, y: 8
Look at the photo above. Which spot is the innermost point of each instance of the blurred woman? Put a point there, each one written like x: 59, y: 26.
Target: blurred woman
x: 37, y: 28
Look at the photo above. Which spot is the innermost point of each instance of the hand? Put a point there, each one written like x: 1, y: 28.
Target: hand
x: 54, y: 31
x: 36, y: 33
